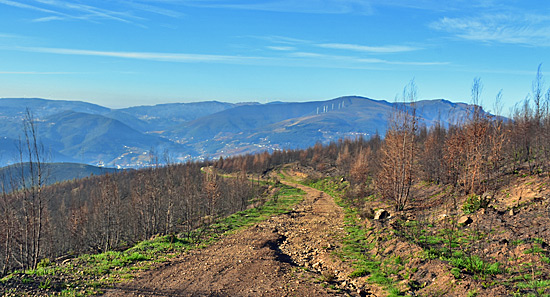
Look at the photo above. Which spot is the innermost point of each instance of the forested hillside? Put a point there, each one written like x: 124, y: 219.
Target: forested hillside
x: 111, y: 211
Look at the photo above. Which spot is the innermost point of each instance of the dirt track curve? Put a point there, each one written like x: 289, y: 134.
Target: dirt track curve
x: 286, y: 255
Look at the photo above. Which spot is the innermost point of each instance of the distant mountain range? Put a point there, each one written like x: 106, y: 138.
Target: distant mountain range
x: 74, y: 131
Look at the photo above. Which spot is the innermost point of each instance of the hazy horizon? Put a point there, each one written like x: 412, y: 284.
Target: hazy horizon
x: 243, y: 102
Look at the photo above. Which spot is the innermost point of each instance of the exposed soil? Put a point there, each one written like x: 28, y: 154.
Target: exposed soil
x: 516, y: 222
x: 286, y: 255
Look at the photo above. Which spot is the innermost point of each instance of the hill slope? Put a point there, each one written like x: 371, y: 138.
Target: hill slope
x: 96, y: 138
x: 15, y: 107
x: 255, y: 128
x: 163, y: 116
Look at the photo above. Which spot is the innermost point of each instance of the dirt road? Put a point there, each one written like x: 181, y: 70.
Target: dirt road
x: 287, y: 255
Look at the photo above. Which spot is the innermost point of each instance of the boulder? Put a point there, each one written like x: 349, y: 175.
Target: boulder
x: 381, y: 214
x: 464, y: 220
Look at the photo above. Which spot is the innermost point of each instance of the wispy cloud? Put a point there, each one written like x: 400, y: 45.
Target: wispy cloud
x: 281, y: 48
x: 302, y: 6
x: 369, y: 49
x: 310, y: 55
x: 365, y: 7
x: 442, y: 6
x: 149, y: 7
x: 402, y: 62
x: 525, y: 29
x: 83, y: 11
x: 28, y: 6
x: 285, y: 43
x: 126, y: 10
x: 165, y: 57
x: 49, y: 19
x: 59, y: 10
x: 358, y: 60
x: 300, y: 50
x: 287, y: 58
x: 281, y: 39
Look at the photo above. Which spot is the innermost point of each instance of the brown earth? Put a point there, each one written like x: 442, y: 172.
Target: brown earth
x: 516, y: 222
x: 287, y: 255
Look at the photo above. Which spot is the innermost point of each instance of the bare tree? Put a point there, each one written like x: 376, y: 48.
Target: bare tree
x: 108, y: 207
x: 213, y: 194
x: 7, y: 220
x: 359, y: 171
x: 538, y: 94
x: 398, y: 153
x: 476, y: 133
x: 33, y: 203
x: 433, y: 153
x: 498, y: 139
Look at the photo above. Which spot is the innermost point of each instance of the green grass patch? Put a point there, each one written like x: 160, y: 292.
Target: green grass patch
x: 393, y: 291
x: 360, y: 241
x: 535, y: 287
x: 287, y: 198
x: 451, y: 245
x: 331, y: 186
x: 535, y: 249
x: 475, y: 265
x: 472, y: 204
x: 361, y: 271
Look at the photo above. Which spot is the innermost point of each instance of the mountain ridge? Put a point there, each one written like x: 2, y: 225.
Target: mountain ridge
x: 92, y: 134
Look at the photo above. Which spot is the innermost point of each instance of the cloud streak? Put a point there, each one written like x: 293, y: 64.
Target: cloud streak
x: 29, y: 7
x: 84, y: 11
x: 281, y: 48
x: 281, y: 39
x: 60, y: 10
x: 289, y: 58
x: 153, y: 9
x: 163, y: 57
x: 363, y: 7
x: 303, y: 6
x: 522, y: 29
x: 369, y: 49
x: 356, y: 60
x: 443, y: 6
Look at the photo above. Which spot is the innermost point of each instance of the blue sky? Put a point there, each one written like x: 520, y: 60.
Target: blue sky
x: 134, y: 52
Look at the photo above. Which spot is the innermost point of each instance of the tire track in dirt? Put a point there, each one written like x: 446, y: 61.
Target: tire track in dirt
x: 286, y: 255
